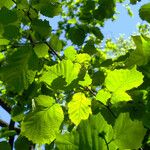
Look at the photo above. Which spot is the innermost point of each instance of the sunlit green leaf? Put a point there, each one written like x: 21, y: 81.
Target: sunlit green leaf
x: 42, y: 126
x: 141, y: 55
x: 70, y: 53
x: 119, y: 81
x: 128, y: 134
x: 65, y: 68
x: 41, y: 50
x: 79, y: 108
x: 103, y: 96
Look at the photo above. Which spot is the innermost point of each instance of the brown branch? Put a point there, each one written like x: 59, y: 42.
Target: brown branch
x: 107, y: 107
x: 54, y: 52
x: 5, y: 106
x: 5, y: 124
x: 11, y: 138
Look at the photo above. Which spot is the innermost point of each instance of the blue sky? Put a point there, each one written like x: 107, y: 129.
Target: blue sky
x: 123, y: 25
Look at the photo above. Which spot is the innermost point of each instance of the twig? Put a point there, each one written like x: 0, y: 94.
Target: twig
x: 5, y: 106
x: 11, y: 138
x: 54, y: 52
x: 108, y: 108
x: 5, y: 124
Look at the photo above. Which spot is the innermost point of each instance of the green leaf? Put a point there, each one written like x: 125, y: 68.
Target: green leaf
x: 96, y: 31
x: 70, y: 53
x: 4, y: 42
x: 103, y: 96
x: 79, y: 108
x: 55, y: 43
x: 141, y: 55
x: 19, y: 70
x: 76, y: 35
x: 22, y: 143
x: 41, y: 50
x: 144, y: 12
x: 89, y: 48
x: 17, y: 113
x: 44, y: 101
x: 42, y: 126
x: 68, y: 141
x: 7, y: 16
x: 6, y: 3
x: 50, y: 9
x: 119, y: 81
x: 87, y: 80
x: 4, y: 146
x: 83, y: 58
x: 128, y: 134
x: 42, y: 28
x: 91, y: 134
x: 65, y: 68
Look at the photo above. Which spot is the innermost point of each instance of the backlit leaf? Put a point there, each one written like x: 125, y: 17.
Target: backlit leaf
x: 128, y: 134
x: 65, y: 68
x: 79, y: 108
x: 42, y: 126
x: 20, y: 69
x: 119, y: 81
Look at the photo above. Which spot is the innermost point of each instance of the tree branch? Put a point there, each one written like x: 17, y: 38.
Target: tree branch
x: 11, y: 138
x: 54, y: 52
x: 5, y: 106
x: 108, y: 108
x: 5, y: 124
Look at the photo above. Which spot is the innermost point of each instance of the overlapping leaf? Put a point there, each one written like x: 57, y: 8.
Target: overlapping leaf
x: 95, y: 133
x: 65, y: 68
x: 141, y: 55
x: 91, y: 134
x: 144, y: 12
x: 128, y: 134
x: 20, y: 69
x: 42, y: 125
x: 79, y: 108
x: 119, y: 81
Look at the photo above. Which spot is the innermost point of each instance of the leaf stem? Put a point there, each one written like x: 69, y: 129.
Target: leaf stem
x: 108, y: 108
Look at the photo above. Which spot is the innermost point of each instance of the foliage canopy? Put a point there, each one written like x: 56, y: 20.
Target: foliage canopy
x: 78, y: 97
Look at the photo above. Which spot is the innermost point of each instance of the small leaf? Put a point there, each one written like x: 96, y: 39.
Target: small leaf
x: 44, y: 101
x: 70, y: 53
x: 83, y: 58
x: 6, y: 3
x: 103, y: 96
x: 76, y: 35
x: 19, y: 70
x: 144, y: 12
x: 79, y: 108
x: 41, y: 50
x: 55, y: 43
x: 87, y: 80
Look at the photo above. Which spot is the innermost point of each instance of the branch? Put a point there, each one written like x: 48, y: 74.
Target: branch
x: 54, y: 52
x: 108, y: 108
x: 5, y: 124
x: 5, y: 106
x: 11, y: 138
